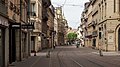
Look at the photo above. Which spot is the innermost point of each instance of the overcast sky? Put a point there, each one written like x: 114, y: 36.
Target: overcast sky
x: 72, y: 10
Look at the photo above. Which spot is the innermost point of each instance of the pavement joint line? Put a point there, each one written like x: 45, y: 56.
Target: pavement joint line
x: 77, y: 63
x: 35, y: 62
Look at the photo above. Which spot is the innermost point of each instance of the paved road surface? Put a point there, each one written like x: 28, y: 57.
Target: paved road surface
x: 70, y: 56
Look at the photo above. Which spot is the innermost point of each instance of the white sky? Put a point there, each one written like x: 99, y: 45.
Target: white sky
x: 72, y: 13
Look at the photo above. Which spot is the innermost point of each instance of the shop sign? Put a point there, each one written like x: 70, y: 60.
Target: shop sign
x: 16, y: 25
x: 28, y: 26
x: 22, y: 26
x: 3, y: 21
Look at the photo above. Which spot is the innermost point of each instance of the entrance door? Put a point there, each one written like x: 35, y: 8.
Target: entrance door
x: 94, y: 42
x: 2, y: 42
x: 12, y: 46
x: 32, y: 43
x: 119, y: 39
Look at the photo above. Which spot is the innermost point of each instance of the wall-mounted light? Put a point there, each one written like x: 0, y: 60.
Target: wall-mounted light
x: 39, y: 38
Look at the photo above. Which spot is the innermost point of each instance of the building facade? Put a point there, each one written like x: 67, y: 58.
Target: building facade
x: 18, y: 36
x: 4, y: 34
x: 50, y: 24
x: 13, y: 38
x: 100, y: 24
x: 44, y: 40
x: 17, y: 21
x: 55, y: 29
x: 36, y: 18
x: 61, y: 25
x: 65, y: 31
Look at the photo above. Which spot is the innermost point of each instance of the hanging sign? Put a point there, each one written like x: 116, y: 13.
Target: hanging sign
x: 28, y: 26
x: 15, y: 25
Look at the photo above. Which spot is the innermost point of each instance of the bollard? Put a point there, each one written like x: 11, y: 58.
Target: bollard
x: 100, y: 52
x: 48, y: 54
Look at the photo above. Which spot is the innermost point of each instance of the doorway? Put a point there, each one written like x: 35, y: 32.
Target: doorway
x: 94, y: 42
x: 119, y: 39
x: 32, y: 43
x: 2, y: 47
x: 12, y: 46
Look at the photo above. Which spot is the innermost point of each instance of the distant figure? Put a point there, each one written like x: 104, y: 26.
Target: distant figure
x: 77, y: 44
x: 54, y: 45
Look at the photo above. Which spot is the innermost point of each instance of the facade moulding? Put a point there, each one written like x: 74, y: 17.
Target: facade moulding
x: 107, y: 20
x: 4, y: 21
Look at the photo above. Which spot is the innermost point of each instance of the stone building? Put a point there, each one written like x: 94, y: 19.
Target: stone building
x: 44, y: 40
x: 4, y: 34
x: 55, y: 28
x: 61, y: 26
x: 65, y: 31
x: 18, y: 37
x: 13, y: 38
x: 50, y: 24
x: 36, y: 18
x: 100, y: 21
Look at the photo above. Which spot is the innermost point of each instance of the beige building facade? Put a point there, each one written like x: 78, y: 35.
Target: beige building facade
x: 50, y: 24
x: 61, y: 26
x: 56, y: 29
x: 4, y: 35
x: 14, y: 39
x: 18, y: 37
x: 100, y: 24
x: 36, y: 17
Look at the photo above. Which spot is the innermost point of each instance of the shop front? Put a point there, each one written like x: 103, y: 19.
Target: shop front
x: 2, y: 45
x: 3, y: 40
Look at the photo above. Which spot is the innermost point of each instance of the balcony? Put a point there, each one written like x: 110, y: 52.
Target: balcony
x: 91, y: 35
x: 94, y: 33
x: 3, y: 9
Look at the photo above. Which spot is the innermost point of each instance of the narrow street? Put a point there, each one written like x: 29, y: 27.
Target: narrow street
x: 70, y: 56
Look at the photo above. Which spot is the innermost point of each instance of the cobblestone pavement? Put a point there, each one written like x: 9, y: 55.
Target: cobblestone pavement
x: 70, y: 56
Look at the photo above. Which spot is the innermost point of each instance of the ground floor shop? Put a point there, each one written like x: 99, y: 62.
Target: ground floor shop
x: 4, y: 41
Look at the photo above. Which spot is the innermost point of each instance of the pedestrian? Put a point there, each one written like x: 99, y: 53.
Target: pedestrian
x: 78, y: 44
